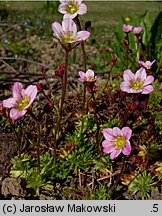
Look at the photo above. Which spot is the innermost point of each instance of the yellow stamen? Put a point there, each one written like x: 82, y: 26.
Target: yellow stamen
x: 120, y: 142
x: 136, y: 85
x: 71, y: 7
x: 23, y: 103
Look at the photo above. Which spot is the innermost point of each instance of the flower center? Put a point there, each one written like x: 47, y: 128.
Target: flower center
x: 72, y: 7
x: 136, y: 85
x: 23, y: 103
x: 68, y: 37
x: 90, y: 79
x: 120, y: 142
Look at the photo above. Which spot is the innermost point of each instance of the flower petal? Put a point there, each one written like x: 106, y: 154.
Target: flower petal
x: 124, y: 86
x: 82, y: 9
x: 16, y: 91
x: 62, y: 8
x: 108, y: 133
x: 141, y: 74
x: 9, y: 103
x: 68, y: 25
x: 148, y: 80
x: 57, y: 28
x: 127, y: 132
x: 147, y: 89
x: 127, y: 149
x: 107, y: 143
x: 82, y: 74
x: 117, y: 132
x: 15, y: 114
x: 89, y: 73
x: 128, y: 75
x: 135, y: 91
x: 115, y: 154
x: 70, y: 16
x: 83, y: 35
x: 108, y: 150
x: 31, y: 91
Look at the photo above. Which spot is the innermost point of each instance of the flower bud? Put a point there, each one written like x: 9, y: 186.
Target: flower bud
x: 40, y: 87
x: 41, y: 67
x: 121, y: 93
x: 133, y: 106
x: 100, y: 50
x: 92, y: 66
x: 48, y: 107
x: 114, y: 59
x: 60, y: 71
x: 139, y: 39
x: 125, y: 42
x: 87, y: 25
x: 107, y: 49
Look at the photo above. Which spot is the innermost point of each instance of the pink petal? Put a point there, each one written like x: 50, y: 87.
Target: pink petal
x: 127, y: 132
x: 9, y: 103
x: 31, y: 91
x: 153, y: 62
x: 141, y: 74
x: 108, y: 133
x: 115, y: 154
x: 124, y: 86
x: 108, y: 150
x: 107, y: 144
x: 82, y: 9
x: 82, y: 76
x: 69, y: 16
x: 17, y: 90
x: 57, y: 28
x: 148, y: 80
x: 142, y: 63
x: 68, y: 25
x: 135, y: 91
x: 89, y: 73
x: 15, y: 114
x: 117, y: 132
x: 62, y: 8
x: 128, y: 75
x: 83, y: 35
x: 127, y: 149
x: 147, y: 89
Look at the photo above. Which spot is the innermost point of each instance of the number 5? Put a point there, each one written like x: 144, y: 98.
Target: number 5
x: 155, y: 207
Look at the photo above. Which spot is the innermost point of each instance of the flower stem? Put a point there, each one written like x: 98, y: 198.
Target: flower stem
x: 38, y: 142
x: 84, y: 68
x: 97, y: 121
x: 18, y: 140
x: 119, y: 177
x: 49, y: 87
x: 64, y: 84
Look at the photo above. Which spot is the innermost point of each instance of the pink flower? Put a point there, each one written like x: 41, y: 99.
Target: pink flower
x: 71, y: 8
x: 67, y: 33
x: 137, y: 83
x: 137, y: 30
x: 147, y: 65
x: 127, y: 28
x: 21, y: 100
x: 89, y: 76
x: 116, y: 141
